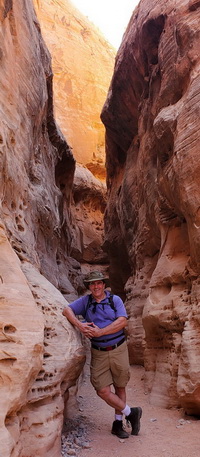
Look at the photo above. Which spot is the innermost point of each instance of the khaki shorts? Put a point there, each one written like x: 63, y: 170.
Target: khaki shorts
x: 110, y: 367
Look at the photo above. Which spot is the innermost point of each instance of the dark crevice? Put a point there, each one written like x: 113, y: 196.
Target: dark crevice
x: 8, y: 6
x: 151, y: 34
x: 64, y: 170
x: 194, y: 5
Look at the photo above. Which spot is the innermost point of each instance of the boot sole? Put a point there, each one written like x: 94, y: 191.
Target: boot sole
x: 122, y: 437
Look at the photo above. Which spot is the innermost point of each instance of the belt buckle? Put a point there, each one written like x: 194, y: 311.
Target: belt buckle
x: 109, y: 348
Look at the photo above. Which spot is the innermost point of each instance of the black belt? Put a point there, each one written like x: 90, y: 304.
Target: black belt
x: 108, y: 348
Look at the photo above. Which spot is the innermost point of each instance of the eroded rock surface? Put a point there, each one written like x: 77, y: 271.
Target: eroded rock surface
x: 153, y: 163
x: 63, y: 359
x: 21, y: 344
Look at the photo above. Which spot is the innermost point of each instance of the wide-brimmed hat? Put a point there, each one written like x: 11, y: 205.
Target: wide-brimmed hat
x: 95, y: 276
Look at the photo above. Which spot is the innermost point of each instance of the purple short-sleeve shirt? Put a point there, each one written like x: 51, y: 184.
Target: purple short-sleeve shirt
x: 102, y: 315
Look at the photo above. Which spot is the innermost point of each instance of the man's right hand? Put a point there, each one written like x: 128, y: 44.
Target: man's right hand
x: 85, y: 328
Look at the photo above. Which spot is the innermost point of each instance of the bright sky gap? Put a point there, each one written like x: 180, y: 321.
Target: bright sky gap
x: 110, y: 16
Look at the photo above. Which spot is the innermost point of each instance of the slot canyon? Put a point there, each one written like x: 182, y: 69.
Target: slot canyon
x: 99, y: 170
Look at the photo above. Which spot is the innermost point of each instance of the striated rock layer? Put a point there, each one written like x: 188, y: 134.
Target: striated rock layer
x: 82, y: 62
x: 152, y: 219
x: 41, y: 356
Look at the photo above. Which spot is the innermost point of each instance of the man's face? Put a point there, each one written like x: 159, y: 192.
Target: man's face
x: 97, y: 289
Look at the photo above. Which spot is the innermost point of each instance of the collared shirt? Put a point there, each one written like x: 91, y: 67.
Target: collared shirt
x: 102, y: 315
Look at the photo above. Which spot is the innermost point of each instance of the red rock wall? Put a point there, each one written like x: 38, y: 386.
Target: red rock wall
x: 152, y: 220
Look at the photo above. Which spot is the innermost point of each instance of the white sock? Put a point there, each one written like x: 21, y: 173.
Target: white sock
x: 126, y: 411
x: 118, y: 417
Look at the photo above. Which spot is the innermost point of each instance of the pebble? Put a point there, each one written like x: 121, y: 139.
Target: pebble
x: 71, y: 452
x: 183, y: 421
x: 86, y: 445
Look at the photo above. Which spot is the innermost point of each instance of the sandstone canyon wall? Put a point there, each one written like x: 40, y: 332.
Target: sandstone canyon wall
x: 152, y: 218
x: 41, y: 356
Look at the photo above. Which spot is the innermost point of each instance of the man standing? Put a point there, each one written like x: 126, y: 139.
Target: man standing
x: 105, y: 319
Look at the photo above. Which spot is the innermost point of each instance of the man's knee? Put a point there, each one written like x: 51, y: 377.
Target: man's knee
x: 121, y: 389
x: 102, y: 393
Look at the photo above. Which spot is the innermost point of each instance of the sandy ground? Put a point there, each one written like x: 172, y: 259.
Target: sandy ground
x: 166, y: 433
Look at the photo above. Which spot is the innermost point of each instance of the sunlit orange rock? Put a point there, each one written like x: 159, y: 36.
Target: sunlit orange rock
x: 82, y: 62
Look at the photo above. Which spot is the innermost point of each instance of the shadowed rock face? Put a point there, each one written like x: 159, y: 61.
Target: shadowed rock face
x: 89, y: 202
x: 153, y: 164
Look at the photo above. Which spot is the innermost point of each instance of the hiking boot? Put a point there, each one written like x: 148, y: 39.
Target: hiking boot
x: 134, y: 420
x: 117, y: 429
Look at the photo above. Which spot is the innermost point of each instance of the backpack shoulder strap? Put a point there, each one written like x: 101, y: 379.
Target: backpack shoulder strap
x: 111, y: 302
x: 88, y: 302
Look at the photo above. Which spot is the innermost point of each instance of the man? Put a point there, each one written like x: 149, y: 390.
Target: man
x: 105, y: 319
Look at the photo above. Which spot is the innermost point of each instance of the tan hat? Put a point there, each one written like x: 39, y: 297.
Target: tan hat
x: 95, y: 276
